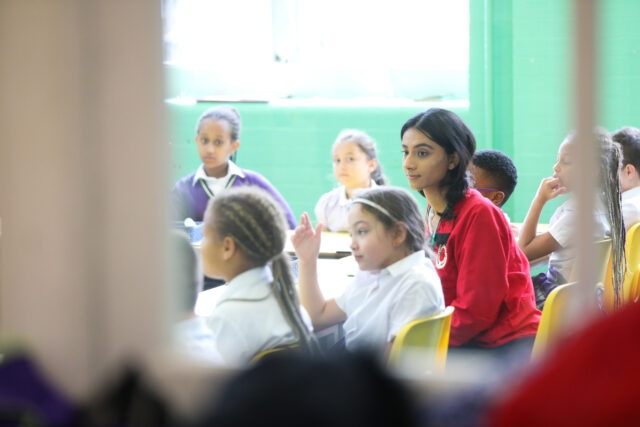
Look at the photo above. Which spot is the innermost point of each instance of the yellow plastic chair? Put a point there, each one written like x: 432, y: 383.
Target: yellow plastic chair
x: 273, y: 351
x: 631, y: 282
x: 421, y: 345
x: 551, y: 321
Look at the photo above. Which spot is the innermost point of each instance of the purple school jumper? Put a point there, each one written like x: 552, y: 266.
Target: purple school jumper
x: 189, y: 200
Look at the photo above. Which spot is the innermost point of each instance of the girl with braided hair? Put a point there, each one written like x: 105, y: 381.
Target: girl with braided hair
x: 557, y: 241
x: 244, y: 236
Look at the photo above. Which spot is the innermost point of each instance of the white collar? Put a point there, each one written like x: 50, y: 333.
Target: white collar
x: 253, y: 284
x: 631, y: 193
x: 232, y: 169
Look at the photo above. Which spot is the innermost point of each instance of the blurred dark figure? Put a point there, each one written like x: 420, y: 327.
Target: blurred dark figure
x: 290, y: 389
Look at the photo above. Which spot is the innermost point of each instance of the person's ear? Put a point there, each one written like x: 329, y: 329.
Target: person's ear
x: 399, y: 234
x: 229, y: 248
x: 235, y: 145
x: 454, y: 160
x: 372, y: 164
x: 497, y: 198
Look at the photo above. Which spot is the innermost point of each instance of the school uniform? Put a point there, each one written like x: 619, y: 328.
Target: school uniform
x: 191, y: 193
x: 630, y: 205
x: 247, y: 318
x: 332, y: 208
x: 484, y: 275
x: 562, y: 229
x: 193, y: 336
x: 379, y: 304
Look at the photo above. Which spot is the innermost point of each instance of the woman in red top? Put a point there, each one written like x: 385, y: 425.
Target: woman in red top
x: 484, y: 274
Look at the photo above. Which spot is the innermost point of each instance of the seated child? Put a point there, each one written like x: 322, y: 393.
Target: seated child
x: 217, y: 139
x: 396, y: 282
x: 355, y: 165
x: 557, y: 240
x: 191, y: 333
x: 494, y: 175
x: 244, y: 236
x: 629, y: 140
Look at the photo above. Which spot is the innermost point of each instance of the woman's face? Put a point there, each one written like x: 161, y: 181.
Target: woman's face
x: 425, y: 163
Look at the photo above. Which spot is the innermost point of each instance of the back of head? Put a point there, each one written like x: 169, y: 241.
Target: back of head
x: 368, y: 147
x: 447, y: 129
x: 185, y: 271
x: 501, y: 169
x: 226, y: 113
x: 629, y: 140
x: 256, y: 223
x: 252, y: 219
x: 391, y: 205
x: 289, y: 390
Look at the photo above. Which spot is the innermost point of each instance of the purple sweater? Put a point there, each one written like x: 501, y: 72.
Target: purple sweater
x: 190, y: 201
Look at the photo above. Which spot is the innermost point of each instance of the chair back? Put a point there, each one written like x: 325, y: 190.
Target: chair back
x: 631, y: 282
x: 421, y: 346
x: 275, y: 351
x: 552, y: 319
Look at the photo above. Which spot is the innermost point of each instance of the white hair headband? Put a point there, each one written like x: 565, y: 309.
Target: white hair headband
x: 375, y: 206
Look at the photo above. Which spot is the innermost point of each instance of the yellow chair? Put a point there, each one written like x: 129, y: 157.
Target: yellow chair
x: 421, y: 345
x: 273, y: 351
x: 631, y: 282
x: 551, y: 322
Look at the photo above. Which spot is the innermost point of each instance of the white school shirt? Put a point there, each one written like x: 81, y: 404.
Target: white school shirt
x: 562, y: 228
x: 631, y: 207
x: 379, y: 304
x: 332, y: 208
x: 193, y: 336
x: 216, y: 185
x: 247, y: 318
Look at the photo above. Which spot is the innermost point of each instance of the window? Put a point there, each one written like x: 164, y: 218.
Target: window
x: 408, y: 49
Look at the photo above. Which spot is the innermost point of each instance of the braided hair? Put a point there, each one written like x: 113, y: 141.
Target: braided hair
x: 257, y: 225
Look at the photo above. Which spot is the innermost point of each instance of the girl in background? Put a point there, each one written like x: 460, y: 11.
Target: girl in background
x: 556, y: 242
x: 217, y: 139
x: 396, y: 282
x: 244, y: 236
x: 355, y: 165
x: 484, y: 274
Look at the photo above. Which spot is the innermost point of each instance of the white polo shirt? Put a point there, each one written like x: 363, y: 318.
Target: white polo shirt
x: 247, y: 318
x: 562, y: 228
x: 379, y: 304
x: 332, y: 208
x: 631, y: 207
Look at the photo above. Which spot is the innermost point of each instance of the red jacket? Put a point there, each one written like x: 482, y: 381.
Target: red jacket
x: 484, y: 275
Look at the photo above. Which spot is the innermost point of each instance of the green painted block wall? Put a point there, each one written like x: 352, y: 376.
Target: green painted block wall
x: 520, y: 91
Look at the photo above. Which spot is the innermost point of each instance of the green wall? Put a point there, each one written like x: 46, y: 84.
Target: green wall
x: 520, y: 90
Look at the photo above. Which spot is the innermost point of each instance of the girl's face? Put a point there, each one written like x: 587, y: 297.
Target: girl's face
x: 371, y: 244
x: 211, y: 251
x: 425, y: 163
x: 351, y: 166
x: 563, y: 169
x: 215, y: 146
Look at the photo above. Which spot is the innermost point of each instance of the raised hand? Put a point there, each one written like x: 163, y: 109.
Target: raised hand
x: 306, y: 239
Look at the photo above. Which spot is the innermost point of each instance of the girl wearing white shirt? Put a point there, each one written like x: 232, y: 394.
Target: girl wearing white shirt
x: 355, y: 166
x: 557, y: 241
x: 244, y: 236
x: 397, y: 282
